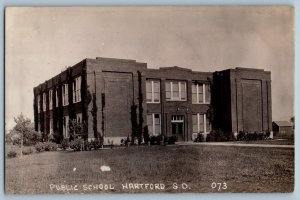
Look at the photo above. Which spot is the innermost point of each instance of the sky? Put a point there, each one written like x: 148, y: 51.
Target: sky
x: 41, y: 42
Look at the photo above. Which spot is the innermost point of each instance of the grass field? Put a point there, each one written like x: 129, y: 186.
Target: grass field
x: 288, y: 141
x: 243, y: 169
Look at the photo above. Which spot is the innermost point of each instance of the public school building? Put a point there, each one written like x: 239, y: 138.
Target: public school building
x: 118, y: 98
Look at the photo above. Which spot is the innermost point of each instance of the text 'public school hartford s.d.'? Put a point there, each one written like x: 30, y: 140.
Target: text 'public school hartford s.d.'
x: 119, y: 98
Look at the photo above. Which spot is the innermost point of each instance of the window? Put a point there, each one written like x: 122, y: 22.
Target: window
x: 177, y: 118
x: 77, y: 90
x: 153, y: 122
x: 79, y: 117
x: 51, y: 126
x: 38, y: 103
x: 201, y: 93
x: 66, y: 127
x: 39, y: 127
x: 153, y: 91
x: 282, y: 131
x: 44, y: 101
x: 56, y: 95
x: 201, y: 124
x: 176, y: 91
x: 50, y: 99
x: 65, y: 95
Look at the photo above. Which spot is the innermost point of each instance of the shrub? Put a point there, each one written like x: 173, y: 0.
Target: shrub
x: 155, y: 139
x: 16, y: 139
x: 241, y: 135
x: 94, y: 144
x: 40, y: 147
x: 172, y: 139
x: 24, y: 130
x: 135, y: 141
x: 65, y: 143
x: 254, y: 136
x: 8, y: 139
x: 12, y: 154
x: 125, y: 141
x: 98, y: 143
x: 229, y: 136
x: 76, y: 144
x: 57, y: 138
x: 261, y: 136
x: 27, y: 151
x: 59, y: 146
x: 51, y: 138
x: 50, y: 146
x: 146, y: 135
x: 268, y: 133
x: 250, y: 136
x: 216, y: 136
x: 88, y: 146
x: 199, y: 138
x: 210, y: 138
x: 219, y: 136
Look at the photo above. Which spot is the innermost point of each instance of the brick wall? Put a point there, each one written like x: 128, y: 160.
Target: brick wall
x: 167, y: 109
x: 110, y: 88
x: 242, y: 100
x: 116, y: 82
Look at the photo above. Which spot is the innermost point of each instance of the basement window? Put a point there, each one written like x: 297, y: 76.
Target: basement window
x: 66, y: 127
x: 201, y: 124
x: 79, y: 117
x: 154, y: 124
x: 51, y: 126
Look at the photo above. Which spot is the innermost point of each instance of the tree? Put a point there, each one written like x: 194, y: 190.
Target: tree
x: 76, y: 128
x: 292, y: 120
x: 25, y: 129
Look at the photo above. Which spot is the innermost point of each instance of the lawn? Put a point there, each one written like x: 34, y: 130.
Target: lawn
x: 190, y: 168
x: 288, y: 141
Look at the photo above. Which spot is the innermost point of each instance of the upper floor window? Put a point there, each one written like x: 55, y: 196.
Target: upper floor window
x: 153, y: 91
x: 56, y: 97
x: 38, y: 103
x: 65, y: 95
x: 176, y: 91
x: 44, y: 101
x: 50, y: 99
x: 77, y: 90
x: 201, y: 93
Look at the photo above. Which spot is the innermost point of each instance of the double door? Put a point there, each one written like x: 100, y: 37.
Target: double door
x: 177, y: 126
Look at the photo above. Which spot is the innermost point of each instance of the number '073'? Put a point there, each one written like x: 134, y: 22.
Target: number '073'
x: 219, y: 186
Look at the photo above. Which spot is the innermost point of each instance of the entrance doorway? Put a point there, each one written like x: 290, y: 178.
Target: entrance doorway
x: 177, y: 122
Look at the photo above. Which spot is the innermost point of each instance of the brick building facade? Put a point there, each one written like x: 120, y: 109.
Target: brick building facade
x: 117, y: 98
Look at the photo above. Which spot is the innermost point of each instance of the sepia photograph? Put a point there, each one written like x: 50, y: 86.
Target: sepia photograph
x: 153, y: 99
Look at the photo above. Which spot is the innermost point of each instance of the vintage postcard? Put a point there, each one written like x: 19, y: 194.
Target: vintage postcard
x: 170, y: 99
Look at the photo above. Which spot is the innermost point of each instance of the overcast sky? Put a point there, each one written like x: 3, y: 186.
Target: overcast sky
x: 41, y: 42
